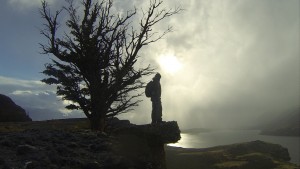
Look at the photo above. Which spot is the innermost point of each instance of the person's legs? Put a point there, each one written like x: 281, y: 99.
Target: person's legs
x: 154, y: 112
x: 159, y: 111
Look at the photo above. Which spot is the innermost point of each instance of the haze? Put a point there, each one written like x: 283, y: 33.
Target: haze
x: 227, y: 64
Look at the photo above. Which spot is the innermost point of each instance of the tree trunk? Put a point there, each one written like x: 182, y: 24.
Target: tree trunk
x: 97, y: 119
x: 97, y: 124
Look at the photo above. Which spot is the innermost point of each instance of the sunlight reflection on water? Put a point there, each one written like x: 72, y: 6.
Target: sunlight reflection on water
x: 187, y: 141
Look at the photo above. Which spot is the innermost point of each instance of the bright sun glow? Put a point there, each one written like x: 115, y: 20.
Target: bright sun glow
x: 169, y: 64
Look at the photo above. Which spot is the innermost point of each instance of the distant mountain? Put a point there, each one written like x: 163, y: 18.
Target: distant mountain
x: 287, y: 124
x: 39, y: 114
x: 10, y: 112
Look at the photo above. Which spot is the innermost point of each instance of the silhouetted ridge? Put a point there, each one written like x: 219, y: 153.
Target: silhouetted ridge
x: 10, y: 112
x: 287, y: 124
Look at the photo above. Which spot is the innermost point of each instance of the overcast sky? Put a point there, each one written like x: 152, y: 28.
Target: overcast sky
x: 227, y: 63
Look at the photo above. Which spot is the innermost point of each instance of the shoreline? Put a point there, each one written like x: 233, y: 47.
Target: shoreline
x: 239, y: 155
x: 227, y: 137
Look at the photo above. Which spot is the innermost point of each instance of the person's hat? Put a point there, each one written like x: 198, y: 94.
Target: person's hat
x: 157, y: 76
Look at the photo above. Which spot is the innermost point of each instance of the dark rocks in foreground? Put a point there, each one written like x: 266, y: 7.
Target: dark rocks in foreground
x: 56, y: 149
x: 10, y: 112
x: 126, y: 147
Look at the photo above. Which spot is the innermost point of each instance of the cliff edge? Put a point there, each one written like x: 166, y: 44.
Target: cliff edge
x: 144, y: 144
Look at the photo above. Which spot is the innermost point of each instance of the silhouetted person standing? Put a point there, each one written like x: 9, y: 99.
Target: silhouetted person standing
x: 156, y: 101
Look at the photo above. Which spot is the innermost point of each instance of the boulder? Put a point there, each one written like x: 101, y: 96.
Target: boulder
x: 163, y: 133
x: 143, y: 145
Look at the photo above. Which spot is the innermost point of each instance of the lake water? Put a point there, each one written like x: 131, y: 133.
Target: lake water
x: 224, y: 137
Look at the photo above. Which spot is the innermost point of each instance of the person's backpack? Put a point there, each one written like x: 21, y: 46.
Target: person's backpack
x: 148, y: 89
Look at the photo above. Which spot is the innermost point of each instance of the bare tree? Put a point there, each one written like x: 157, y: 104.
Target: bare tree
x: 94, y: 63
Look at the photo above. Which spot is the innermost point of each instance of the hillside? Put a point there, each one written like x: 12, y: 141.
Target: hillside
x: 287, y: 124
x: 249, y: 155
x: 10, y: 112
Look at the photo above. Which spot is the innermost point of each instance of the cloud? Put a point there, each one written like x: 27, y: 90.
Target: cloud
x: 22, y: 92
x: 27, y: 4
x: 240, y: 58
x: 38, y: 99
x: 22, y: 83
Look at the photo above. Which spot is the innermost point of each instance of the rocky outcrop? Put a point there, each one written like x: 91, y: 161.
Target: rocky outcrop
x: 145, y: 143
x: 164, y: 133
x: 10, y: 112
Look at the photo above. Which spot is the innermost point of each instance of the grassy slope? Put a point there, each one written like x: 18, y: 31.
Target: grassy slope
x: 64, y: 124
x: 221, y: 158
